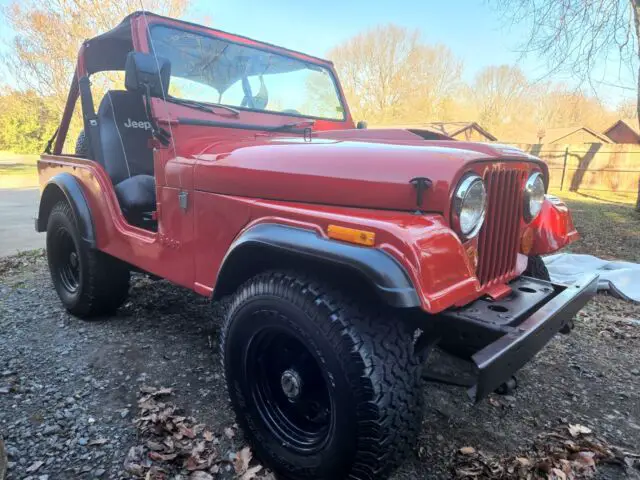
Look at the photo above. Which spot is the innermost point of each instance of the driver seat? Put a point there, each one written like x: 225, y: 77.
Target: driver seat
x: 127, y: 156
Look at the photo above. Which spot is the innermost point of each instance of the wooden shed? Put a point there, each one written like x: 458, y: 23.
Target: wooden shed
x: 624, y: 131
x: 576, y: 134
x: 465, y: 131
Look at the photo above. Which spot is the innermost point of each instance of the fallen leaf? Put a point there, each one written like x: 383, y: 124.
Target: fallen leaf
x: 200, y: 475
x: 467, y: 450
x: 251, y: 473
x: 557, y: 474
x: 494, y: 402
x: 577, y: 430
x: 241, y: 462
x: 162, y: 457
x: 523, y: 461
x: 586, y: 459
x: 229, y: 432
x: 98, y: 441
x: 34, y: 467
x: 207, y: 435
x: 194, y: 463
x: 132, y: 462
x: 155, y: 446
x: 187, y: 432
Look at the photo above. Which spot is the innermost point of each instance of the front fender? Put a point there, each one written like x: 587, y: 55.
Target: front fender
x: 553, y: 227
x: 384, y: 273
x: 65, y: 186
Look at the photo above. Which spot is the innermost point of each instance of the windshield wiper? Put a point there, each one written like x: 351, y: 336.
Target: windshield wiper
x: 203, y: 106
x: 292, y: 126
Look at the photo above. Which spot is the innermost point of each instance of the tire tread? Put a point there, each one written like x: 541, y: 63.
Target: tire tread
x: 374, y: 350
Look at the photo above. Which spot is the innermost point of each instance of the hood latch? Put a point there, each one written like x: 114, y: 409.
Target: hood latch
x: 421, y: 184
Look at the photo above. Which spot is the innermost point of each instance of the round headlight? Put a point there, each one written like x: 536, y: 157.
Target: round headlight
x: 469, y: 206
x: 533, y: 196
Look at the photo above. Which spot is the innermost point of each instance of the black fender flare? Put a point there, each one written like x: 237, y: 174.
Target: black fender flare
x: 385, y: 274
x: 66, y: 186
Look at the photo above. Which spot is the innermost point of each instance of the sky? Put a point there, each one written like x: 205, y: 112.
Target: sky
x: 472, y: 29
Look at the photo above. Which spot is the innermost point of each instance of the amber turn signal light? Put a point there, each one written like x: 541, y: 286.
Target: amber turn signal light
x: 352, y: 235
x: 472, y: 255
x: 526, y: 243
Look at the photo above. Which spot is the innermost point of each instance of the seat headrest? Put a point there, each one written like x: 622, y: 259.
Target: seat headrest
x: 146, y: 69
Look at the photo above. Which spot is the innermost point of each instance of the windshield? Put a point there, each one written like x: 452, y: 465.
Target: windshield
x: 212, y: 70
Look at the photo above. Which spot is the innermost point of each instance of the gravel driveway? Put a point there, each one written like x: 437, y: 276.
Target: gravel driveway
x: 68, y: 388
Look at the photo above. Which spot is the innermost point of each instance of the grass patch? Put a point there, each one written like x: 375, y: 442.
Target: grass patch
x: 608, y: 229
x: 590, y: 196
x: 18, y: 158
x: 18, y: 171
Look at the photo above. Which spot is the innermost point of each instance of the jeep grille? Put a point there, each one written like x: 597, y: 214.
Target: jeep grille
x: 499, y: 237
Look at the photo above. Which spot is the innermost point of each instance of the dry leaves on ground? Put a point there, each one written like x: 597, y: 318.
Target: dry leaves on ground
x: 175, y: 444
x: 571, y: 452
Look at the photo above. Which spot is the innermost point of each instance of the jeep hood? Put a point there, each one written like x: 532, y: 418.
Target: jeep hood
x: 370, y: 173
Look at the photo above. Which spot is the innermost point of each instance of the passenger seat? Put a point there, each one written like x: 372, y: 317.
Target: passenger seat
x: 126, y: 153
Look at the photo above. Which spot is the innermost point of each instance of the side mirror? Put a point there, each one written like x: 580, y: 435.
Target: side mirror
x: 145, y: 72
x: 361, y: 125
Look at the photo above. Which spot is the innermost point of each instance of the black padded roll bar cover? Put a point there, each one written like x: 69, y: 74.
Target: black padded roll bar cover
x: 145, y: 68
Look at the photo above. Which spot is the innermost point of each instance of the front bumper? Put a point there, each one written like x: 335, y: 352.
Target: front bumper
x: 511, y: 331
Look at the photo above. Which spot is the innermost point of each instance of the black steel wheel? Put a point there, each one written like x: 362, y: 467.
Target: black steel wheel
x: 88, y: 282
x: 65, y: 260
x: 322, y: 387
x: 289, y: 389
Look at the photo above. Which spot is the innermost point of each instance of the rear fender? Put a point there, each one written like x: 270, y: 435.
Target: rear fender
x: 274, y: 242
x: 65, y: 186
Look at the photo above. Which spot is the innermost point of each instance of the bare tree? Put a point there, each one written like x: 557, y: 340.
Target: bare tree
x: 390, y: 75
x: 501, y: 95
x: 43, y: 53
x: 577, y: 35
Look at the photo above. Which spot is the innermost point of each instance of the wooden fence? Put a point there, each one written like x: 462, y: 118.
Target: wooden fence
x: 590, y: 167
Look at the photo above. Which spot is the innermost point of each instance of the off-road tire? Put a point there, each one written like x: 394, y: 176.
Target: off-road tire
x: 102, y: 281
x: 367, y: 355
x: 536, y: 268
x: 82, y: 145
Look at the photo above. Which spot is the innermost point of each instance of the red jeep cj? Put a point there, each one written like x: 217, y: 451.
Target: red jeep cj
x: 341, y: 255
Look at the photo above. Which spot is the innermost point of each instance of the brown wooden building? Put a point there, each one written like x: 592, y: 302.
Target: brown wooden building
x: 465, y: 131
x: 576, y: 134
x: 624, y: 131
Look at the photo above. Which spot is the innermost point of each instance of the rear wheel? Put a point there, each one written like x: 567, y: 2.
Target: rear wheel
x: 88, y: 282
x: 322, y: 387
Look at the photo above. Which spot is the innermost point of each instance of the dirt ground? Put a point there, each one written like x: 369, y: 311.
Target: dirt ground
x: 68, y: 388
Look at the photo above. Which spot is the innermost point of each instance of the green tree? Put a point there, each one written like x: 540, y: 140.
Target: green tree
x: 26, y: 121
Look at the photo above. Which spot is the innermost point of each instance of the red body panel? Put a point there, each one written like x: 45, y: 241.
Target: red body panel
x: 553, y: 228
x: 238, y: 177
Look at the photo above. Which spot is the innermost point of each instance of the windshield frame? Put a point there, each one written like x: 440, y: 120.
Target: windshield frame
x: 264, y: 47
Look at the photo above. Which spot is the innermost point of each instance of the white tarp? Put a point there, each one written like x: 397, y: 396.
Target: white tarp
x: 621, y: 279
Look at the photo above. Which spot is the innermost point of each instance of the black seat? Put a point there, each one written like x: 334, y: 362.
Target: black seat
x: 126, y: 155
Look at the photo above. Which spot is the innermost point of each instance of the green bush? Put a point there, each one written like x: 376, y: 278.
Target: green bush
x: 27, y: 121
